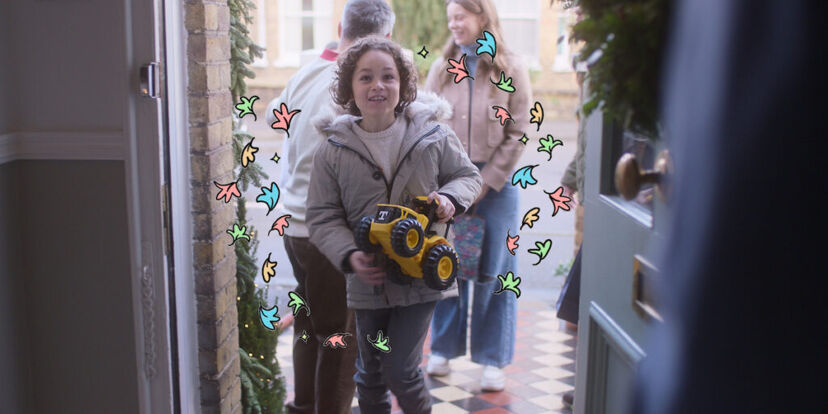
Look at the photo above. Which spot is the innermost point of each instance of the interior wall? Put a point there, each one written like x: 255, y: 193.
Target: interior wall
x: 78, y: 300
x: 67, y: 338
x: 69, y: 65
x: 14, y: 375
x: 5, y: 58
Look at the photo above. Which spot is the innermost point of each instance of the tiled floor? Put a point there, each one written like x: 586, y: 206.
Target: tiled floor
x: 543, y: 369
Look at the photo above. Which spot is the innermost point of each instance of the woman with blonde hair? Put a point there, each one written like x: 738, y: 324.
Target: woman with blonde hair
x: 495, y: 149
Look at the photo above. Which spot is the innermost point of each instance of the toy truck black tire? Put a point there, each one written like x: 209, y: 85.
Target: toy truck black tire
x: 440, y: 267
x: 361, y: 235
x: 407, y: 237
x: 394, y: 274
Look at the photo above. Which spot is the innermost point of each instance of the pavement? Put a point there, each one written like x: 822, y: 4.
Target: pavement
x: 539, y: 281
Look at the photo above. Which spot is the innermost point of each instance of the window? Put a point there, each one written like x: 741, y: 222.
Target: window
x: 303, y: 25
x: 520, y: 21
x: 563, y: 58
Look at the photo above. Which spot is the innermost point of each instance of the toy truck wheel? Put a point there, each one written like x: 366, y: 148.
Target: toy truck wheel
x: 440, y: 267
x: 361, y: 235
x: 394, y: 273
x: 407, y: 237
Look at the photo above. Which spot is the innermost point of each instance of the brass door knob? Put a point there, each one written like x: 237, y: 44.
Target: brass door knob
x: 629, y: 178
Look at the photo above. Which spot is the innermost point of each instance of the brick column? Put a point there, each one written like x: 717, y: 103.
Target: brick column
x: 210, y: 115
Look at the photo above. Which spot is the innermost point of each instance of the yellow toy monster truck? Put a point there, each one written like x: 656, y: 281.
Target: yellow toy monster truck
x: 405, y: 236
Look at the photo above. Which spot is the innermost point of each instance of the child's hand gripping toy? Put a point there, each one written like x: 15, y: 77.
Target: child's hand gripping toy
x: 414, y: 252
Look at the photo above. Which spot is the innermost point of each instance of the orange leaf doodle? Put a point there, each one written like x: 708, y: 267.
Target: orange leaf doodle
x: 503, y: 114
x: 458, y: 69
x: 283, y: 117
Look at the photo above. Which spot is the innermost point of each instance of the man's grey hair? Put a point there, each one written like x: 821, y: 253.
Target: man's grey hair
x: 362, y: 18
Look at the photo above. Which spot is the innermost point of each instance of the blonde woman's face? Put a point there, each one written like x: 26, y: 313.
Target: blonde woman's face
x: 464, y: 25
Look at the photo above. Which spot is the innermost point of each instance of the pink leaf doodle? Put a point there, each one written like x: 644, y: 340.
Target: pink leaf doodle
x: 559, y: 200
x: 503, y: 114
x: 227, y: 191
x: 511, y: 243
x: 458, y: 69
x: 283, y: 117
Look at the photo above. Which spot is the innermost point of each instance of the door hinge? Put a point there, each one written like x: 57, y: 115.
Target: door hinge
x: 149, y: 80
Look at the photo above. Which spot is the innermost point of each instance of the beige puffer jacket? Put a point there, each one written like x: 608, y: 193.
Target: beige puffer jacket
x: 346, y: 186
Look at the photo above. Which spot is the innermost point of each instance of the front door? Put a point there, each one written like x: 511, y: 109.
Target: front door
x: 620, y: 237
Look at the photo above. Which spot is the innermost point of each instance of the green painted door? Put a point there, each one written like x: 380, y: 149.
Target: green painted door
x: 621, y: 241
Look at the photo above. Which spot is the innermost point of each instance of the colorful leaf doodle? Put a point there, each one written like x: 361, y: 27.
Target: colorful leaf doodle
x: 283, y: 117
x: 504, y: 84
x: 503, y: 114
x: 512, y: 243
x: 280, y: 224
x: 269, y: 196
x: 269, y: 316
x: 487, y: 45
x: 510, y: 283
x: 536, y: 114
x: 547, y: 144
x: 268, y: 269
x: 530, y: 217
x: 458, y: 69
x: 541, y: 250
x: 380, y: 343
x: 238, y: 233
x: 559, y: 201
x: 227, y: 191
x: 297, y: 303
x: 245, y: 107
x: 248, y: 153
x: 524, y: 176
x: 336, y: 340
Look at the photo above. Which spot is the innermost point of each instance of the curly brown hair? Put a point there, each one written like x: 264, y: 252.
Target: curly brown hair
x: 341, y: 88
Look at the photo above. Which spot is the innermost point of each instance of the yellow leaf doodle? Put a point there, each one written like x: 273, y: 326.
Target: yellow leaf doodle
x: 530, y: 217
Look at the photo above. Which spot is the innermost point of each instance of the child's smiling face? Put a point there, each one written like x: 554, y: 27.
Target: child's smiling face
x: 376, y: 88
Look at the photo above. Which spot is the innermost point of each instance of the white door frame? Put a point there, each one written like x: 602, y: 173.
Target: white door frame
x: 144, y: 155
x: 181, y: 211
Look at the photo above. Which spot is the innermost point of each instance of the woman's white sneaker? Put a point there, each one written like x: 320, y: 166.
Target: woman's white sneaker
x: 437, y: 366
x: 493, y: 379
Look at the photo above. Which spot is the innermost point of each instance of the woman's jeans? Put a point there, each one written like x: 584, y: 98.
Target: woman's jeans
x: 494, y: 316
x: 406, y: 328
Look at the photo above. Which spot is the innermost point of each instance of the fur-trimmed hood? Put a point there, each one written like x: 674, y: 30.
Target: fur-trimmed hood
x: 427, y: 108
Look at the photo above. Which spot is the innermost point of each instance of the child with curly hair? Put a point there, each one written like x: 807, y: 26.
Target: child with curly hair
x: 389, y: 148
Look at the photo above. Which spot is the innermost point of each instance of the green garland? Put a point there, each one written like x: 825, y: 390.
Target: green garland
x: 623, y: 48
x: 263, y: 388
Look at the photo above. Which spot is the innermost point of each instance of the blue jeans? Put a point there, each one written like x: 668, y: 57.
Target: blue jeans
x: 493, y: 317
x: 398, y: 370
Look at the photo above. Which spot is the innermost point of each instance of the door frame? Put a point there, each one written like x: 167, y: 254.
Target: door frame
x: 157, y: 182
x: 184, y: 315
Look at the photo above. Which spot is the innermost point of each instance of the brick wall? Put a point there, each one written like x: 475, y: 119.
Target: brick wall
x: 210, y: 106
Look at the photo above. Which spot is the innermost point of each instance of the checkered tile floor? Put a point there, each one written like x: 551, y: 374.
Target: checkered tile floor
x: 543, y: 369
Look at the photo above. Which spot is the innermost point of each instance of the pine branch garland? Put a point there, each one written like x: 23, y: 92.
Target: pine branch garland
x: 263, y: 388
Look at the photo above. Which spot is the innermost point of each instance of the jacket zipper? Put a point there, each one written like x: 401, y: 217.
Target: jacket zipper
x: 388, y: 185
x: 468, y: 129
x: 399, y: 164
x: 371, y: 163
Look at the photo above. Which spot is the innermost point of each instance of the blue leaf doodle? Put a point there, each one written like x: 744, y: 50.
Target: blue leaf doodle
x: 524, y: 176
x: 269, y: 196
